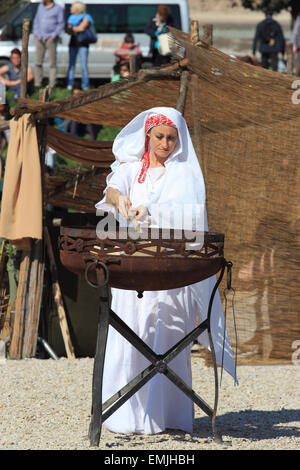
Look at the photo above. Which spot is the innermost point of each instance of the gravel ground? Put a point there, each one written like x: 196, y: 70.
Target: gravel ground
x: 45, y: 404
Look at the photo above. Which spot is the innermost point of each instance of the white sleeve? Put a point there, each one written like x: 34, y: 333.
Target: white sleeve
x: 119, y: 179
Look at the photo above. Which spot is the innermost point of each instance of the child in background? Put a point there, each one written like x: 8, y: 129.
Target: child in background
x: 128, y: 48
x: 121, y: 71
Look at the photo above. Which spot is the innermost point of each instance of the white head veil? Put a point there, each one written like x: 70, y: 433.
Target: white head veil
x: 129, y: 145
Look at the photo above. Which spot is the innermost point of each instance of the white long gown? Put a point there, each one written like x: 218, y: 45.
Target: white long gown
x: 160, y: 319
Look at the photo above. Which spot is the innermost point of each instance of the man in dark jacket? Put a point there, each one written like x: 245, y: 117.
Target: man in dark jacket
x: 271, y: 41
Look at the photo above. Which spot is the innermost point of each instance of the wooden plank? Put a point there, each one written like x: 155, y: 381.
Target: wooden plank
x: 38, y: 295
x: 58, y: 298
x: 36, y: 263
x: 34, y: 299
x: 27, y: 276
x: 132, y: 64
x: 208, y: 34
x: 16, y: 345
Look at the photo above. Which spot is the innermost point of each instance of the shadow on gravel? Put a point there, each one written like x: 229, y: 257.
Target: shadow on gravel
x: 246, y: 424
x: 257, y: 424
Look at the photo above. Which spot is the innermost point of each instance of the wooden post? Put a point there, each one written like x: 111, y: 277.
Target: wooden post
x: 194, y: 27
x: 182, y: 91
x: 58, y: 298
x: 132, y: 64
x: 37, y: 261
x: 34, y: 299
x: 195, y: 120
x: 30, y: 286
x: 16, y: 344
x: 208, y: 34
x: 289, y: 57
x: 26, y: 22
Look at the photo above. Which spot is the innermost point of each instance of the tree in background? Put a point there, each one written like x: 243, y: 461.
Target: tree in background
x: 274, y: 5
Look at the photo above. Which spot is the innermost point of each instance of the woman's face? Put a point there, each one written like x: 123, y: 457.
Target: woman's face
x: 163, y: 140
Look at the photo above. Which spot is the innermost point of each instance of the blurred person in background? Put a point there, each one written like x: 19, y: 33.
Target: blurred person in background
x: 271, y: 41
x: 156, y: 26
x: 48, y: 24
x: 128, y: 48
x: 295, y: 39
x: 13, y: 71
x: 78, y: 22
x: 121, y: 71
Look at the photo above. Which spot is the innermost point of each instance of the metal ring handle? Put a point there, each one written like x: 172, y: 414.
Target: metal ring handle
x: 97, y: 263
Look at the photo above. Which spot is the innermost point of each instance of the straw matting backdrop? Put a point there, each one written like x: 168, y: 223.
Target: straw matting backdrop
x: 245, y: 130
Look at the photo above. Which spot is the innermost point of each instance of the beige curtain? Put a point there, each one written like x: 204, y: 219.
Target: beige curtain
x: 21, y: 206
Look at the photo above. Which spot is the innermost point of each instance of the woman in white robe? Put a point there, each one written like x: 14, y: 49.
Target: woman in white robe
x: 156, y: 173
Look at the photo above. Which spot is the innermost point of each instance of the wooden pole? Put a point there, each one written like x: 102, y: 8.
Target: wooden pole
x: 195, y: 121
x: 208, y: 34
x: 16, y: 345
x: 105, y: 91
x: 194, y: 84
x: 132, y: 64
x: 26, y: 22
x: 37, y: 261
x: 194, y: 27
x: 34, y: 299
x: 182, y: 91
x: 58, y: 298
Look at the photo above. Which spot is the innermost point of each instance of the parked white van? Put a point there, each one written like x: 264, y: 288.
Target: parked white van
x: 113, y: 19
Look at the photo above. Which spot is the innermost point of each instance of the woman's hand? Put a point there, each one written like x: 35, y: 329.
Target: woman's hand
x: 121, y: 202
x: 123, y: 205
x: 140, y: 212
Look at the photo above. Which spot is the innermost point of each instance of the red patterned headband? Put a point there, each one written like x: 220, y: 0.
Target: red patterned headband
x: 153, y: 121
x: 157, y: 120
